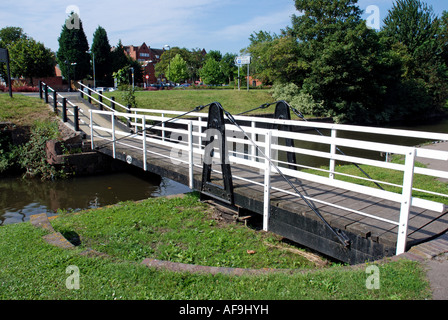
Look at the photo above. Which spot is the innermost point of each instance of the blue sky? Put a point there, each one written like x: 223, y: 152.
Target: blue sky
x: 223, y: 25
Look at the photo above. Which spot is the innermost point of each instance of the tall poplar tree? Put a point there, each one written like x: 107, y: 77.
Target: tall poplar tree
x: 101, y: 50
x: 73, y: 48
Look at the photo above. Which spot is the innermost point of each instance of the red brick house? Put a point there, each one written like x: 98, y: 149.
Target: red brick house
x: 148, y: 57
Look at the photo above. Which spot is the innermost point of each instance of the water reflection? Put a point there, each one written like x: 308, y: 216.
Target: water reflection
x: 19, y: 198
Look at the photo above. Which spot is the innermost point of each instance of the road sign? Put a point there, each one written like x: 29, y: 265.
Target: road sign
x: 242, y: 60
x: 4, y: 57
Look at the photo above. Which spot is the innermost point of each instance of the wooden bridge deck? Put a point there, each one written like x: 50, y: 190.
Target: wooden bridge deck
x: 291, y: 218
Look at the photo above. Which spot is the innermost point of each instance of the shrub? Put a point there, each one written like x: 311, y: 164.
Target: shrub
x: 33, y: 157
x: 298, y: 99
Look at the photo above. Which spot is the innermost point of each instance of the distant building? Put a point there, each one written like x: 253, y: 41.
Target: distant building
x: 148, y: 57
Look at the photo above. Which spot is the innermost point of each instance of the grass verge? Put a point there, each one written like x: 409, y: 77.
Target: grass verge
x: 32, y: 269
x: 22, y: 110
x: 233, y: 101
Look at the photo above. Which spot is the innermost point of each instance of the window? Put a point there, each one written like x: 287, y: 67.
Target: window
x: 144, y: 54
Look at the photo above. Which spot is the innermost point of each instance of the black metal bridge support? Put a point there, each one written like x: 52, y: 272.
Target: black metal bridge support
x: 283, y: 112
x: 216, y: 139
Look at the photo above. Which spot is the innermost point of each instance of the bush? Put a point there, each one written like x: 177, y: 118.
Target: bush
x: 33, y: 157
x: 303, y: 102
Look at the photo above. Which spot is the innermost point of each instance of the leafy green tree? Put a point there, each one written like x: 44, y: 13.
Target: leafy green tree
x: 211, y: 73
x: 8, y: 36
x: 194, y: 63
x: 164, y: 65
x: 418, y: 36
x: 414, y: 24
x: 73, y: 48
x: 31, y: 59
x: 275, y: 58
x: 178, y: 69
x: 103, y: 57
x: 228, y: 67
x: 340, y: 60
x: 214, y: 54
x: 443, y: 37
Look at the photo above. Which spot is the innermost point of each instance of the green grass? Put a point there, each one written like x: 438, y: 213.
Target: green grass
x: 233, y: 101
x: 32, y: 269
x: 23, y: 110
x: 179, y: 230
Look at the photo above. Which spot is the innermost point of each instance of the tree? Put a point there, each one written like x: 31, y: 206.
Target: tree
x: 30, y: 59
x: 73, y: 48
x: 178, y: 69
x: 164, y: 65
x: 228, y: 66
x: 195, y: 63
x: 340, y: 59
x: 8, y: 36
x: 211, y: 73
x: 214, y: 54
x: 443, y: 37
x: 102, y: 51
x: 118, y: 58
x: 275, y: 58
x: 418, y: 36
x: 413, y: 24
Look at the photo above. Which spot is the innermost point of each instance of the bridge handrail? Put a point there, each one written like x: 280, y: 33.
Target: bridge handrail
x: 58, y: 103
x: 103, y: 96
x: 249, y: 158
x: 319, y: 125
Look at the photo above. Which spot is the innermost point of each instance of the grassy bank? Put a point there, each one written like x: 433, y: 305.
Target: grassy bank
x: 36, y: 124
x: 179, y: 229
x: 233, y: 101
x: 22, y: 110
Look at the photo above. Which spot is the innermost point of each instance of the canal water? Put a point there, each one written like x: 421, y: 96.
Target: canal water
x: 21, y: 198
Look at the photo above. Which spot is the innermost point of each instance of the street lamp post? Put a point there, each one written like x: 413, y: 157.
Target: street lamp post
x: 93, y: 62
x: 169, y: 64
x: 132, y: 70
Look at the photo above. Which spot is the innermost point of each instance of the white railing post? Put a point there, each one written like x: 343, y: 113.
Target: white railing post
x: 91, y: 130
x: 163, y: 127
x: 135, y: 121
x: 200, y: 132
x: 114, y: 143
x: 190, y: 155
x: 333, y: 152
x: 406, y: 201
x: 267, y: 182
x: 145, y: 166
x: 253, y: 150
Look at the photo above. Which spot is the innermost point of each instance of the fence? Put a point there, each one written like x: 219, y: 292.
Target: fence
x: 58, y: 100
x: 253, y: 143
